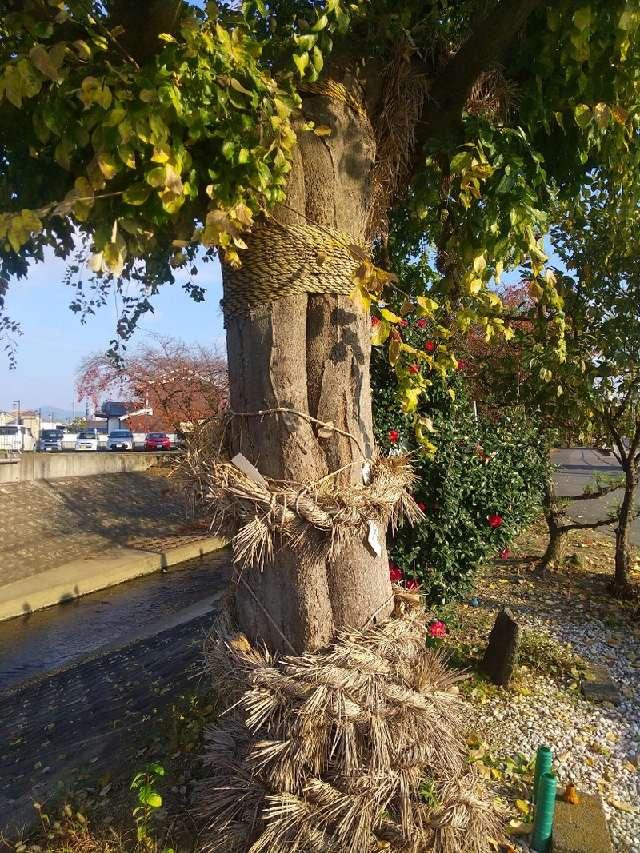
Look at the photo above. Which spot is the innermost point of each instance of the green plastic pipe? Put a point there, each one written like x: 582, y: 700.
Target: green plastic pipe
x: 543, y: 819
x: 544, y: 758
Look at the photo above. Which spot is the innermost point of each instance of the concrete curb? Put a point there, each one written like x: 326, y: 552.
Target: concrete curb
x: 80, y: 577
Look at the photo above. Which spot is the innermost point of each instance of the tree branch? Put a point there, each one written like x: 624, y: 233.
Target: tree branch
x: 588, y: 525
x: 452, y: 85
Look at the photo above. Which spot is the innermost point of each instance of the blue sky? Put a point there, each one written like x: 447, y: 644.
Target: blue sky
x: 54, y: 341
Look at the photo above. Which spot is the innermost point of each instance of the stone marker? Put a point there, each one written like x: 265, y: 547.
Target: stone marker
x: 598, y: 686
x: 501, y: 654
x: 580, y: 828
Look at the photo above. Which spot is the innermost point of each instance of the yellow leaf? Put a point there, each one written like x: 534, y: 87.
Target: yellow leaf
x: 379, y: 332
x: 108, y: 164
x: 601, y: 113
x: 113, y: 256
x: 409, y: 399
x: 361, y: 297
x: 390, y: 316
x: 479, y: 264
x: 322, y: 130
x: 426, y: 305
x: 475, y: 286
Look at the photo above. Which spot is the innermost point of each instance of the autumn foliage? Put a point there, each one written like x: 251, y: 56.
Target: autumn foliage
x: 182, y: 383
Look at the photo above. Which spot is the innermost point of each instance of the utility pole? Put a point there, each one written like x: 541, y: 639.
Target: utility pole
x: 16, y: 403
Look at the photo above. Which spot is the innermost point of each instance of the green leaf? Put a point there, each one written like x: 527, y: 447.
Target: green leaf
x: 460, y: 162
x: 582, y: 18
x: 136, y: 194
x: 148, y: 797
x: 301, y: 61
x: 47, y: 63
x: 582, y: 115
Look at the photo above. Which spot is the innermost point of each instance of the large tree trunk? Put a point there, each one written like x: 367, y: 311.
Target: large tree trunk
x: 623, y: 556
x: 309, y: 353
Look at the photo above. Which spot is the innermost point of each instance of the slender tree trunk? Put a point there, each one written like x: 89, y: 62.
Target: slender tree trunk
x: 309, y: 353
x: 623, y: 556
x: 557, y: 537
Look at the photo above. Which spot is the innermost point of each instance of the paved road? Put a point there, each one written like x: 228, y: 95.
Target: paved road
x: 578, y: 467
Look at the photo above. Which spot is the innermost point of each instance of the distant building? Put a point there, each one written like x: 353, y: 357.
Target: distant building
x: 118, y: 414
x: 29, y: 418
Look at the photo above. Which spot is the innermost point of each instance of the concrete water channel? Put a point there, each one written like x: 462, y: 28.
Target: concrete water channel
x: 46, y: 641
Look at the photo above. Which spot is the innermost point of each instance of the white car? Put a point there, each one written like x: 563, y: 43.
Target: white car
x: 120, y: 439
x: 87, y: 441
x: 16, y: 437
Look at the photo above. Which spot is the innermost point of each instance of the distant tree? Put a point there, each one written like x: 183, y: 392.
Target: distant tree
x: 597, y: 240
x: 182, y: 383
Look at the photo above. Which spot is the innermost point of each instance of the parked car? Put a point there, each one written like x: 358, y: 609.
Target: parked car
x: 120, y: 439
x: 157, y: 441
x: 87, y: 440
x: 50, y: 441
x: 16, y: 437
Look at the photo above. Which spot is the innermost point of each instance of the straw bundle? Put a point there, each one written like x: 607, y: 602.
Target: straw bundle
x: 329, y: 752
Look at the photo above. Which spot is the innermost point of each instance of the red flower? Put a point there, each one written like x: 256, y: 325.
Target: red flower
x: 414, y: 368
x: 395, y: 573
x: 412, y: 585
x: 375, y: 321
x: 437, y: 629
x: 421, y: 323
x: 504, y: 554
x: 495, y: 520
x: 430, y: 346
x: 404, y: 324
x: 461, y: 364
x: 394, y: 435
x: 421, y: 506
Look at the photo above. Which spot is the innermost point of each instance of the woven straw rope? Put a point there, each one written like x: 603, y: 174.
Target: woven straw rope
x: 295, y: 259
x: 286, y: 260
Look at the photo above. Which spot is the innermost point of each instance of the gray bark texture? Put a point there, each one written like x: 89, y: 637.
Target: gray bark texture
x: 623, y: 554
x: 310, y: 353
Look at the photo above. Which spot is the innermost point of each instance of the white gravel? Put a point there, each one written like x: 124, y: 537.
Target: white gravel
x: 595, y: 746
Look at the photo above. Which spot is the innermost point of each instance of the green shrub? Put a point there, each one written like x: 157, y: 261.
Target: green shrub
x: 481, y: 469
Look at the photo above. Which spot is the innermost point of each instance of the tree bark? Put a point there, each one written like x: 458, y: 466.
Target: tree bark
x: 557, y: 537
x: 623, y: 555
x: 310, y: 353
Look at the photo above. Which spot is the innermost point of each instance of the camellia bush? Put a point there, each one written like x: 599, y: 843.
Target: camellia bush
x: 479, y: 487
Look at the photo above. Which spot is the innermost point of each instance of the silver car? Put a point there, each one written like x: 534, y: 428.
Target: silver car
x: 50, y: 441
x: 120, y: 439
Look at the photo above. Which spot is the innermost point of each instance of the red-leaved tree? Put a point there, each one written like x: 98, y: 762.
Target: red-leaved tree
x: 182, y: 383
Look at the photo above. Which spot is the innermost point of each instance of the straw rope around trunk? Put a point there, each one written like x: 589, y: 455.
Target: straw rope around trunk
x: 284, y: 260
x: 329, y: 752
x: 314, y: 520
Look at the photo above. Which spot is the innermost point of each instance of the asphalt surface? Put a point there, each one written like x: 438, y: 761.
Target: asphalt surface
x: 578, y: 468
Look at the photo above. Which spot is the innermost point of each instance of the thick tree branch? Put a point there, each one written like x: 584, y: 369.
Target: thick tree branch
x: 588, y: 525
x: 452, y: 85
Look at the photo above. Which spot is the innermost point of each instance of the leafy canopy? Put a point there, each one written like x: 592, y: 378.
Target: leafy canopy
x: 136, y: 134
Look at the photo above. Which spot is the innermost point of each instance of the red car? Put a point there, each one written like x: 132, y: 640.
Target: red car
x: 157, y: 441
